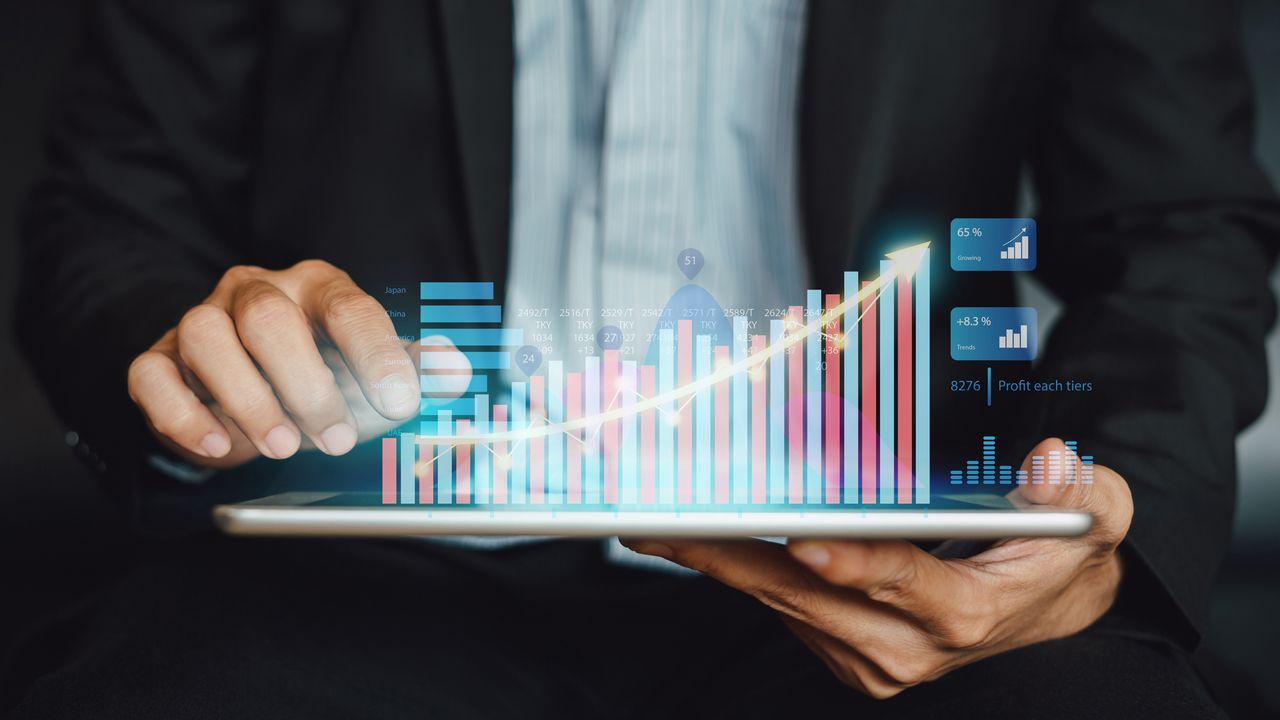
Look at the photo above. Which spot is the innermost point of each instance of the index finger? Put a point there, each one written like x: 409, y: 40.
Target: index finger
x: 359, y: 327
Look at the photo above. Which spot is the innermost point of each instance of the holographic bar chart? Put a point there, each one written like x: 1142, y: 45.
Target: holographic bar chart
x: 825, y: 402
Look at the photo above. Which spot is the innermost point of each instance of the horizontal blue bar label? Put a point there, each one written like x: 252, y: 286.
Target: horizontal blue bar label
x: 461, y: 314
x: 456, y: 291
x: 479, y: 337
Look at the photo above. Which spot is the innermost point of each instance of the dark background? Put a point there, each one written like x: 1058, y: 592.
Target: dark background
x: 59, y: 539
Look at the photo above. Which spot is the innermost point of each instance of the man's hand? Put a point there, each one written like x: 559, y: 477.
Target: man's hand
x: 886, y: 615
x: 274, y: 361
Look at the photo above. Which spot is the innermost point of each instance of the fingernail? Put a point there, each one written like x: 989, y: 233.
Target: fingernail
x: 399, y: 397
x: 283, y: 441
x: 653, y: 548
x: 338, y: 439
x: 811, y: 555
x: 215, y: 445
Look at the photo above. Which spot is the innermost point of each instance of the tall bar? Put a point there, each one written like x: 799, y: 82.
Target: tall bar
x: 483, y: 480
x: 462, y: 483
x: 501, y: 460
x: 923, y: 472
x: 388, y: 471
x: 591, y: 408
x: 777, y: 414
x: 666, y: 427
x: 609, y: 431
x: 444, y: 461
x: 684, y: 428
x: 425, y: 469
x: 630, y: 484
x: 408, y: 481
x: 556, y: 440
x: 575, y: 439
x: 519, y: 447
x: 741, y: 417
x: 887, y: 460
x: 813, y: 402
x: 721, y: 495
x: 759, y: 447
x: 648, y: 489
x: 870, y: 443
x: 906, y: 359
x: 537, y: 418
x: 831, y: 402
x: 851, y: 416
x: 795, y: 410
x: 702, y: 411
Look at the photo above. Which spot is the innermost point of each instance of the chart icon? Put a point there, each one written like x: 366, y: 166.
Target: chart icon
x: 993, y: 244
x: 993, y: 333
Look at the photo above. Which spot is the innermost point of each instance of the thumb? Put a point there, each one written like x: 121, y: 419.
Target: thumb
x: 1058, y: 478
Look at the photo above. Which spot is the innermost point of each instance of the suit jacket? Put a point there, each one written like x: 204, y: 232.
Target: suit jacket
x: 377, y: 134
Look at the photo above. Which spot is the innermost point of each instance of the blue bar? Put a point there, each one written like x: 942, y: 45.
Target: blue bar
x: 888, y: 328
x: 777, y: 414
x: 556, y: 440
x: 666, y: 431
x: 923, y: 471
x: 519, y: 448
x: 407, y: 474
x: 456, y: 290
x: 479, y: 337
x: 702, y: 409
x: 741, y: 443
x: 479, y: 359
x: 591, y: 477
x: 460, y: 314
x: 444, y: 463
x: 460, y: 407
x: 849, y: 403
x: 439, y: 383
x: 813, y: 402
x: 630, y: 490
x: 483, y: 479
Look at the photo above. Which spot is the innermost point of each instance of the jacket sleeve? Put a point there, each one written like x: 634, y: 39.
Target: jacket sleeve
x: 1158, y: 231
x: 141, y: 206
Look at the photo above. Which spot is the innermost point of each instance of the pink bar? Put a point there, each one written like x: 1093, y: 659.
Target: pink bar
x: 904, y: 375
x: 648, y: 488
x: 501, y: 461
x: 795, y: 409
x: 684, y: 431
x: 609, y: 371
x: 573, y: 440
x: 869, y: 439
x: 722, y: 429
x: 426, y: 470
x: 388, y: 471
x: 759, y: 463
x: 462, y: 480
x: 831, y: 402
x: 537, y: 418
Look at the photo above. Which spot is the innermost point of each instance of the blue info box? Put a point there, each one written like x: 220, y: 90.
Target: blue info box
x: 993, y: 244
x: 993, y: 333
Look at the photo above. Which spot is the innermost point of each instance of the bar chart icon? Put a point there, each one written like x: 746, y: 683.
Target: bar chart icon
x: 1014, y: 340
x: 1018, y: 247
x: 826, y: 403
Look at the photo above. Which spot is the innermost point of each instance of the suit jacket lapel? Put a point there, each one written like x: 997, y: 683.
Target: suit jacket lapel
x: 480, y: 55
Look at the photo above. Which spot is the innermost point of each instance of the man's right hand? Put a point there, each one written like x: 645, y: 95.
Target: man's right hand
x: 275, y: 361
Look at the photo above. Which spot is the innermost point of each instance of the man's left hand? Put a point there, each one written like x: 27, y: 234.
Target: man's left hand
x: 886, y: 615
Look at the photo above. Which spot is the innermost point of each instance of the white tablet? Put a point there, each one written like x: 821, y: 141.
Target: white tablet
x: 973, y: 516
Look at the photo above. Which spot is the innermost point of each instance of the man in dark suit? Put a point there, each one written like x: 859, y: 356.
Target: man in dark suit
x: 339, y: 143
